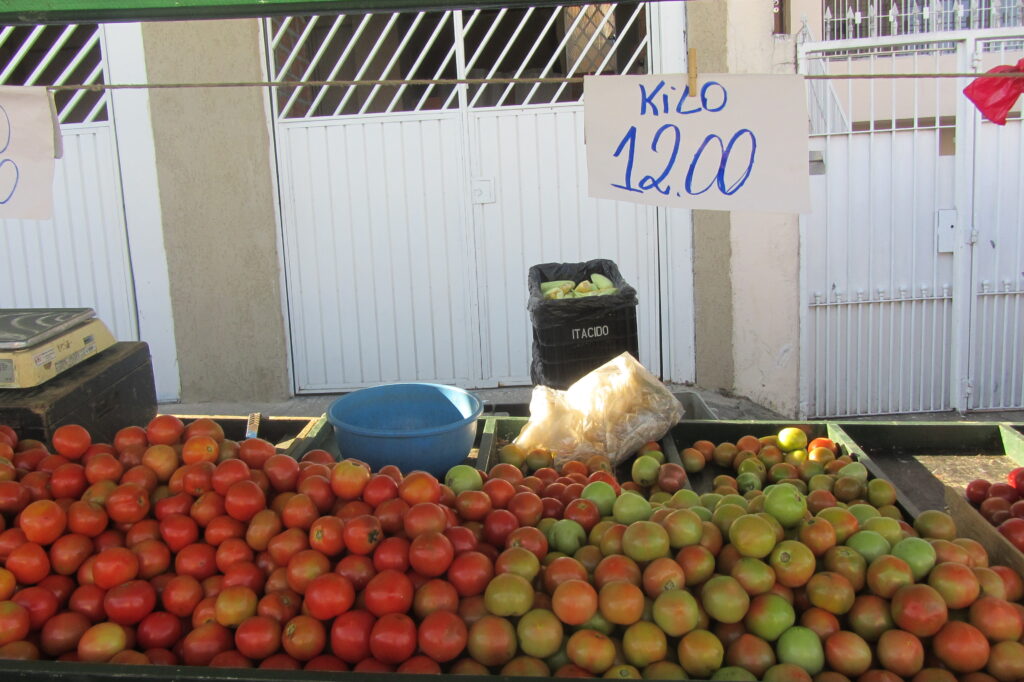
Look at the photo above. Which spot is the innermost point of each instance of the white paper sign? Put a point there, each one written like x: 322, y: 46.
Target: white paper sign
x: 26, y: 153
x: 738, y: 143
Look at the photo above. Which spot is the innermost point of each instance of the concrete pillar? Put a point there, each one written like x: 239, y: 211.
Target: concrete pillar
x: 213, y: 155
x: 746, y: 264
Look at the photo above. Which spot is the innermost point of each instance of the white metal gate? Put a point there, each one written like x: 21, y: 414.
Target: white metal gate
x: 80, y: 257
x: 411, y: 213
x: 912, y: 259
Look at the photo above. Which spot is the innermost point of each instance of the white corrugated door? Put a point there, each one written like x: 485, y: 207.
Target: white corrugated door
x: 412, y: 213
x: 80, y: 257
x: 996, y: 373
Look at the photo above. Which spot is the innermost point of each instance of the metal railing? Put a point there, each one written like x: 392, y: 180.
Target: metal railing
x: 843, y: 19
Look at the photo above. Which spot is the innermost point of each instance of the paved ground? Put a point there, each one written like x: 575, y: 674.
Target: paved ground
x: 722, y: 406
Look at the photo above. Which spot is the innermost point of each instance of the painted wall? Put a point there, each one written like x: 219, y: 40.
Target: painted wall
x: 757, y: 304
x: 216, y: 190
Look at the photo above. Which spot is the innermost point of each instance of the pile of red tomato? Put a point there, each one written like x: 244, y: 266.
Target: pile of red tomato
x: 1002, y: 504
x: 174, y: 545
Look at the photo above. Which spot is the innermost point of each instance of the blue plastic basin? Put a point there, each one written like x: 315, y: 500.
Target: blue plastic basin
x: 429, y: 427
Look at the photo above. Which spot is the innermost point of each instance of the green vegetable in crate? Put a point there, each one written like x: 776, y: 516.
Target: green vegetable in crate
x: 597, y: 285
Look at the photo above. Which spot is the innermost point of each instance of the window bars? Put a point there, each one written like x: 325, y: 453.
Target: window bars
x: 57, y: 55
x: 435, y: 48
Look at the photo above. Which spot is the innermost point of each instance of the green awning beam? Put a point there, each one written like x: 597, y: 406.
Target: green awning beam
x: 30, y: 12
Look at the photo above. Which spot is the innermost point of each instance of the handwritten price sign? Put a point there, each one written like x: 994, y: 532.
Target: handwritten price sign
x: 738, y: 143
x: 26, y: 153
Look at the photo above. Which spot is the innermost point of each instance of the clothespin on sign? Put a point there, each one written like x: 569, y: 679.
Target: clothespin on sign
x: 691, y: 69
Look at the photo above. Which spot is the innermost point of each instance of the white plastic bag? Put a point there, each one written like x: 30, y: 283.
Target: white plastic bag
x: 611, y: 411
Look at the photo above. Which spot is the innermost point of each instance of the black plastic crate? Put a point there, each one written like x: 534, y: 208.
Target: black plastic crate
x: 574, y: 336
x: 560, y: 367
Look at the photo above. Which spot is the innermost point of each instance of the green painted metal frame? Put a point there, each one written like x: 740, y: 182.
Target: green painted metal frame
x: 28, y: 12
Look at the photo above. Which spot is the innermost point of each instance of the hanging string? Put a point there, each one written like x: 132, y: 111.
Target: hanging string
x: 397, y: 82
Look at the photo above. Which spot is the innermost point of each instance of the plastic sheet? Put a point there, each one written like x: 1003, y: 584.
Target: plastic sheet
x: 994, y: 97
x: 611, y: 411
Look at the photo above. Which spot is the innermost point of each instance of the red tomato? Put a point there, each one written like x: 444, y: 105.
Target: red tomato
x: 283, y: 546
x: 178, y: 531
x: 282, y: 472
x: 357, y: 568
x: 318, y: 490
x: 326, y: 535
x: 498, y: 525
x: 362, y: 534
x: 13, y: 497
x: 391, y: 514
x: 181, y: 595
x: 179, y: 503
x: 303, y: 638
x: 61, y: 633
x: 350, y: 635
x: 129, y: 603
x: 207, y: 507
x: 86, y: 518
x: 299, y: 512
x: 328, y: 596
x: 527, y: 508
x: 228, y: 472
x: 425, y: 517
x: 38, y: 485
x: 204, y: 642
x: 222, y: 529
x: 258, y: 637
x: 68, y: 480
x: 473, y: 505
x: 164, y: 429
x: 303, y: 567
x: 159, y: 630
x: 61, y: 586
x: 430, y: 554
x: 15, y: 622
x: 154, y: 558
x: 470, y: 572
x: 243, y: 500
x: 393, y: 638
x: 128, y: 504
x: 40, y: 603
x: 500, y: 491
x: 29, y: 563
x: 419, y: 486
x: 380, y: 489
x: 349, y: 478
x: 71, y: 440
x: 197, y: 560
x: 462, y: 539
x: 231, y: 552
x: 442, y: 636
x: 281, y: 605
x: 392, y: 553
x: 88, y: 601
x: 388, y: 592
x: 247, y: 574
x: 69, y: 552
x: 530, y: 538
x: 583, y: 512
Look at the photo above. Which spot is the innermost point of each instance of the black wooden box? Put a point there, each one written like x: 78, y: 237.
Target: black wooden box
x: 105, y: 393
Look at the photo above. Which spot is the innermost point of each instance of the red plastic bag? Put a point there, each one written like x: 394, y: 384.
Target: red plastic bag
x: 994, y: 97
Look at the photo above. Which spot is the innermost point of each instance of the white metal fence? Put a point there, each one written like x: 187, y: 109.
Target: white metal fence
x: 912, y: 274
x: 843, y: 19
